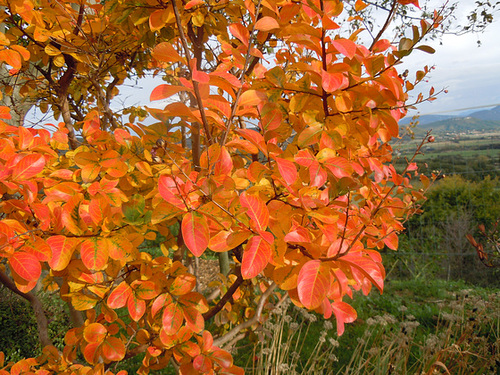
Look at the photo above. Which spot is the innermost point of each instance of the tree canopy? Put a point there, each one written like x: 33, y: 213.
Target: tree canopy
x: 272, y: 151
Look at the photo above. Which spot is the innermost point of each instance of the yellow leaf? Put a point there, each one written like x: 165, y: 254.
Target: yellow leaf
x: 51, y: 50
x: 251, y: 98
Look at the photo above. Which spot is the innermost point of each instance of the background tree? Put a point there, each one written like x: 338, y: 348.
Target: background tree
x: 288, y: 168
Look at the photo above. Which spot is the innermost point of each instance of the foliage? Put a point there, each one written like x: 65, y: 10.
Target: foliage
x: 435, y: 243
x: 288, y: 166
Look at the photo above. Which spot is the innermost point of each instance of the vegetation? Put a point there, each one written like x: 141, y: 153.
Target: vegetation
x: 282, y: 171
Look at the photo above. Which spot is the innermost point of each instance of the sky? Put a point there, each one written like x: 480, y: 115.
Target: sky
x: 471, y: 74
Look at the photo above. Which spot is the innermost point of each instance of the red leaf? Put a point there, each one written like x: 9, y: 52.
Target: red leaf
x: 408, y: 2
x: 195, y: 232
x: 119, y: 296
x: 159, y: 302
x: 367, y: 267
x: 62, y: 250
x: 333, y: 81
x: 256, y: 256
x: 94, y: 253
x: 28, y: 167
x: 39, y: 249
x: 345, y: 46
x: 344, y: 313
x: 113, y: 349
x: 223, y: 358
x: 26, y: 265
x: 136, y: 307
x: 91, y: 352
x: 168, y: 191
x: 95, y: 332
x: 172, y: 318
x: 287, y: 170
x: 256, y: 210
x: 202, y: 363
x: 266, y: 23
x: 313, y: 284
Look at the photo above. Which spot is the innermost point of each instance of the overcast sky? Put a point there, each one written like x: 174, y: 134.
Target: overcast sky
x: 471, y: 74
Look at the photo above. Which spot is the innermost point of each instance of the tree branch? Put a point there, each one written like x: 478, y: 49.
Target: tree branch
x: 226, y: 297
x: 253, y: 320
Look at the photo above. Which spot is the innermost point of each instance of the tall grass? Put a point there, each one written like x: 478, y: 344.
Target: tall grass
x: 463, y: 338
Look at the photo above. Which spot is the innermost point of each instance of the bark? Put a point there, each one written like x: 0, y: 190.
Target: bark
x: 41, y: 318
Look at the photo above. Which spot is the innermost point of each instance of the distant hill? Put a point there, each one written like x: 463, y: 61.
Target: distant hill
x: 488, y: 114
x: 485, y: 120
x: 426, y: 119
x: 461, y: 124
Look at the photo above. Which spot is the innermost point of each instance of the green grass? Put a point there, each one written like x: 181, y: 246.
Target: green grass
x: 411, y: 313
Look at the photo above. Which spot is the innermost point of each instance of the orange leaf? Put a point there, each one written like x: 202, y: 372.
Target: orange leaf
x: 256, y: 210
x: 251, y: 98
x: 267, y: 23
x: 344, y: 313
x: 91, y: 352
x: 12, y: 58
x: 145, y: 289
x: 172, y: 318
x: 94, y: 253
x: 223, y: 358
x: 136, y: 307
x: 241, y: 32
x: 313, y: 284
x: 113, y: 349
x: 28, y: 167
x: 391, y: 240
x: 95, y: 332
x: 26, y: 265
x: 119, y: 296
x: 182, y: 284
x: 166, y: 52
x: 192, y: 3
x: 340, y: 167
x: 39, y: 249
x: 194, y: 319
x: 158, y: 19
x: 345, y: 46
x: 227, y: 240
x: 165, y: 91
x: 202, y: 364
x: 256, y: 256
x: 62, y: 250
x: 333, y: 81
x: 195, y: 232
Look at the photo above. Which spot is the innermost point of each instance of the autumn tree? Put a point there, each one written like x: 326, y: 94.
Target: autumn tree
x: 272, y: 151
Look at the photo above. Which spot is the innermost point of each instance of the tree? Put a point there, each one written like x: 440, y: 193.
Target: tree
x: 273, y: 147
